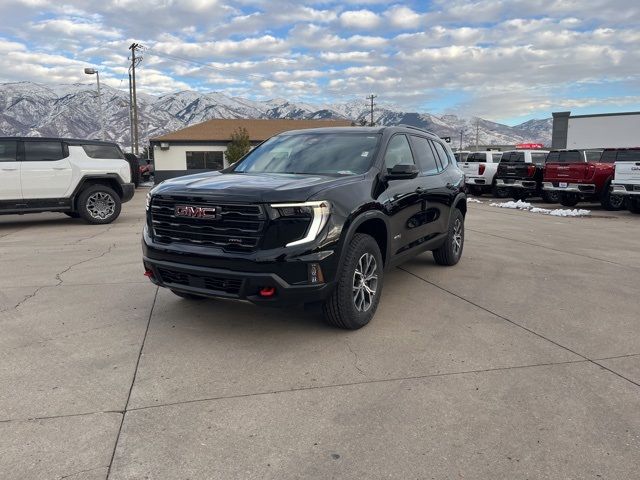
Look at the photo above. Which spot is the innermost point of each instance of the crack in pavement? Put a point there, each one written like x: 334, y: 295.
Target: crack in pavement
x: 58, y: 276
x: 513, y: 322
x: 82, y: 471
x: 303, y: 389
x: 92, y: 236
x: 355, y: 358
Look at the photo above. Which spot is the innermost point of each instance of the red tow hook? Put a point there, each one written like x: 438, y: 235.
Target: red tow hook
x: 267, y: 292
x: 148, y: 273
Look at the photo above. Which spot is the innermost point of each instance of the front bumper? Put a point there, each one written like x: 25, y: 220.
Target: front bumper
x: 626, y: 189
x: 582, y: 188
x: 522, y: 184
x: 128, y: 189
x: 239, y: 278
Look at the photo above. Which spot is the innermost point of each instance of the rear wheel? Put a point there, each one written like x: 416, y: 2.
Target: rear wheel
x: 99, y: 204
x: 551, y: 197
x: 569, y: 199
x: 519, y: 195
x: 450, y: 252
x: 355, y: 299
x: 475, y: 190
x: 611, y: 202
x: 188, y: 296
x: 634, y: 205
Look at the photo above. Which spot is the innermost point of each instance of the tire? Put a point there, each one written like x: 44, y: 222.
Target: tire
x: 519, y: 196
x: 634, y: 205
x: 351, y: 304
x: 450, y: 252
x: 188, y: 296
x: 611, y: 202
x: 72, y: 214
x: 99, y: 204
x: 551, y: 196
x: 499, y: 192
x: 569, y: 199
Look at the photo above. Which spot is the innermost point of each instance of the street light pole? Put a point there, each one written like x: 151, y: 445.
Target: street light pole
x: 93, y: 71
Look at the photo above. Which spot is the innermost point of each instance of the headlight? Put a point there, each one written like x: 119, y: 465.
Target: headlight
x: 318, y: 212
x: 148, y: 201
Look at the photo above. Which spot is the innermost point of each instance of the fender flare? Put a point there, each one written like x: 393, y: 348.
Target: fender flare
x: 460, y: 197
x: 111, y: 177
x: 353, y: 226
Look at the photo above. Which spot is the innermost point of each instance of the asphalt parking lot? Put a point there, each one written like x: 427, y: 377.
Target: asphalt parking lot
x: 521, y: 362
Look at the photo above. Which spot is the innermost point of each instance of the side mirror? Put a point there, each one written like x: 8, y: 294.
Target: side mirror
x: 403, y: 172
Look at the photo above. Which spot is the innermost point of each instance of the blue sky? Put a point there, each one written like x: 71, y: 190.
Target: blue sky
x: 504, y: 60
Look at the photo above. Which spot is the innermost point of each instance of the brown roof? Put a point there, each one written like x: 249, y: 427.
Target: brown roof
x: 221, y: 130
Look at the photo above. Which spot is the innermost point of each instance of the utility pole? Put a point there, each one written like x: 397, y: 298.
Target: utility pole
x: 131, y: 139
x: 134, y: 61
x: 372, y: 97
x: 461, y: 132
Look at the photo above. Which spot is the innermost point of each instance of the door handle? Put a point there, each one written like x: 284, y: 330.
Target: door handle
x: 60, y: 168
x: 9, y: 169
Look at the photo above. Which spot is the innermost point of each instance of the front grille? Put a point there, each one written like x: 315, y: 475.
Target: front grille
x: 236, y: 227
x: 231, y: 286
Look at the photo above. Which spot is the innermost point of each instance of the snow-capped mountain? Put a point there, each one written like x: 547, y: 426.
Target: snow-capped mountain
x: 32, y: 109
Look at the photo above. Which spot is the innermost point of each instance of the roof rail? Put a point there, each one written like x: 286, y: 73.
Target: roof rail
x: 418, y: 128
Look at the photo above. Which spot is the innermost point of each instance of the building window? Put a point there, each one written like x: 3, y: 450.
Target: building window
x: 205, y: 160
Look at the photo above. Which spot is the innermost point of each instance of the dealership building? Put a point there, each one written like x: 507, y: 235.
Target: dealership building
x: 604, y: 130
x: 202, y: 147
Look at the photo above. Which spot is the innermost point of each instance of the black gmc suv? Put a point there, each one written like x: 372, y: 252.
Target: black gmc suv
x: 309, y: 216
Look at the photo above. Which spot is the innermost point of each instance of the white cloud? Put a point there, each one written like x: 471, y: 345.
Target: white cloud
x: 403, y: 17
x: 360, y: 19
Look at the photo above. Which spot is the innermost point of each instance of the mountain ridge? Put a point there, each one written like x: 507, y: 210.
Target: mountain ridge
x: 32, y: 109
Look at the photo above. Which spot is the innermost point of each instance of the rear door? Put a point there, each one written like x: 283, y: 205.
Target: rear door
x: 9, y: 171
x: 46, y: 169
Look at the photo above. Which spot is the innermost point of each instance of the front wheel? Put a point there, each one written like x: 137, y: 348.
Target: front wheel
x: 499, y: 192
x: 612, y: 202
x: 450, y: 252
x: 99, y: 204
x: 355, y: 299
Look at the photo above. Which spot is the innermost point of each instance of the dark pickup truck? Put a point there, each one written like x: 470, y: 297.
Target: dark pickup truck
x: 582, y: 175
x: 520, y: 173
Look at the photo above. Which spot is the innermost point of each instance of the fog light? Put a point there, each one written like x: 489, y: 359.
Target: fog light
x: 267, y: 292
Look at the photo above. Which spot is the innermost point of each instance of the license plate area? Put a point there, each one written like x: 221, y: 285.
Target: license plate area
x: 563, y: 185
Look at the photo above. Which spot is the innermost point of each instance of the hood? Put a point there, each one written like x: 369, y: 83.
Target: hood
x: 251, y: 187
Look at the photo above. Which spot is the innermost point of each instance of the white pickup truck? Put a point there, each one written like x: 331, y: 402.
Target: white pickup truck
x: 626, y: 180
x: 479, y: 170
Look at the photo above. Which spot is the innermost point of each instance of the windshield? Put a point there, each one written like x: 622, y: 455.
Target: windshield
x: 313, y: 153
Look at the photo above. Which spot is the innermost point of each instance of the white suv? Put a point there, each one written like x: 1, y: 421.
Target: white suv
x: 479, y: 169
x: 81, y: 178
x: 626, y: 181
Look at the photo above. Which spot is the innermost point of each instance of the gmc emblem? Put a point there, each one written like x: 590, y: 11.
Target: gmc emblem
x: 195, y: 212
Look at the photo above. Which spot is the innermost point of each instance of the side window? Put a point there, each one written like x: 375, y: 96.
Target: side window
x: 8, y: 150
x: 629, y: 156
x: 398, y: 153
x: 426, y: 159
x: 102, y: 151
x: 43, y: 151
x: 608, y: 156
x: 444, y: 158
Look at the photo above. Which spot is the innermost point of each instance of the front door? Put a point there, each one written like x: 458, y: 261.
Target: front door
x: 46, y: 169
x: 9, y: 171
x: 404, y: 198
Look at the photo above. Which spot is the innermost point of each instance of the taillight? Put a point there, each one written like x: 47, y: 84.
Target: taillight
x: 531, y: 170
x: 481, y: 169
x: 590, y: 170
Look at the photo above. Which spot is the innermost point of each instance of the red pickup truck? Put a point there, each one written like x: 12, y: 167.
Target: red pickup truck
x: 581, y: 176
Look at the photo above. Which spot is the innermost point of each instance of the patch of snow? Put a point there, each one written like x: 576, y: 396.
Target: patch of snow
x: 558, y: 212
x: 473, y: 200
